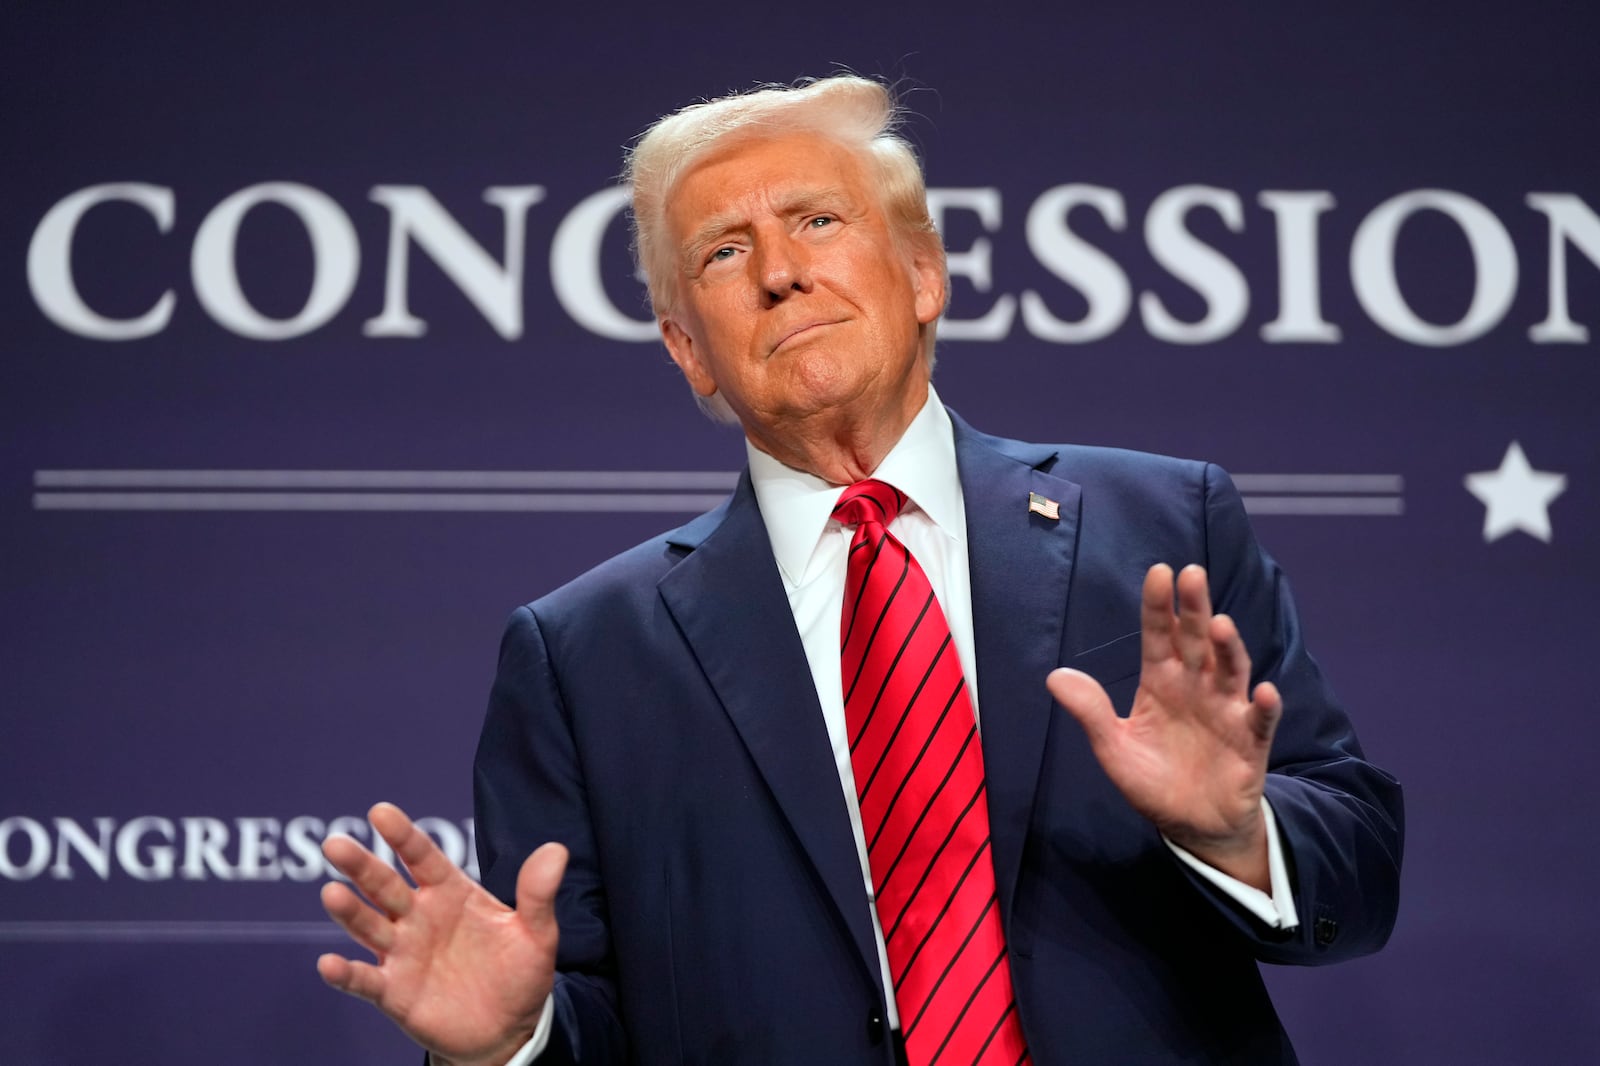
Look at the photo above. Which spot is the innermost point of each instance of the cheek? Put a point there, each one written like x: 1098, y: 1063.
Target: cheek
x: 724, y: 317
x: 898, y: 309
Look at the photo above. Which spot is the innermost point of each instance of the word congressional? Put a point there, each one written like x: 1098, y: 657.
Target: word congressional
x: 1069, y: 289
x: 200, y: 848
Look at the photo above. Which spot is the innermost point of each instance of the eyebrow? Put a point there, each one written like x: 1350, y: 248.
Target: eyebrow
x: 711, y: 231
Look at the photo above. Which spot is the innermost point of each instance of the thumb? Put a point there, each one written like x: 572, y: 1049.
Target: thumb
x: 1085, y: 700
x: 537, y: 882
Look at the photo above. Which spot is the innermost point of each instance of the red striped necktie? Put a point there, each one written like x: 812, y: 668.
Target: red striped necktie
x: 918, y: 766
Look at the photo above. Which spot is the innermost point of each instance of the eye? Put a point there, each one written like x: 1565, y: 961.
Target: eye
x: 820, y: 221
x: 725, y: 252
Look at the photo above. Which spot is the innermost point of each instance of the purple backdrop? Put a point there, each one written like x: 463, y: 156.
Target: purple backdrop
x: 1351, y: 258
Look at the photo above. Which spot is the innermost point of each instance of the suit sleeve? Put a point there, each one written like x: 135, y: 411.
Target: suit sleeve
x: 1340, y: 817
x: 528, y: 788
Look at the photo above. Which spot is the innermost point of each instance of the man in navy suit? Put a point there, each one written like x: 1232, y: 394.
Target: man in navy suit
x: 672, y: 723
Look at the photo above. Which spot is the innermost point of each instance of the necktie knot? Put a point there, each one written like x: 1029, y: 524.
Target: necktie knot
x: 869, y: 502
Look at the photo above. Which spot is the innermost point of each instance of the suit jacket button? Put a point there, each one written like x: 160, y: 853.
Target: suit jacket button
x: 1326, y: 931
x: 874, y: 1026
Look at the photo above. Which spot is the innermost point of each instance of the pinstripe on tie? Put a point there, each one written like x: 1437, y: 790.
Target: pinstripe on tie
x: 918, y: 767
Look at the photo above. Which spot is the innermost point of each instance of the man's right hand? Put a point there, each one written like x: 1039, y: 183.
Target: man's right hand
x: 461, y: 973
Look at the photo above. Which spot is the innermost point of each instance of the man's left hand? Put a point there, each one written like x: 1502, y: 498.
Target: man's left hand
x: 1192, y: 755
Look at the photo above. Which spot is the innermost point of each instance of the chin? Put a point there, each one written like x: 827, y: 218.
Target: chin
x: 824, y: 392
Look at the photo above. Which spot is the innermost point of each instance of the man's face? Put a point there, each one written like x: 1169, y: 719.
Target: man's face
x: 794, y: 300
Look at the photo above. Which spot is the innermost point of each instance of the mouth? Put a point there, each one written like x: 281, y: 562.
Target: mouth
x: 802, y: 329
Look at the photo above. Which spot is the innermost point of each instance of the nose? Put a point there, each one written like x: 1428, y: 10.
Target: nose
x: 783, y: 268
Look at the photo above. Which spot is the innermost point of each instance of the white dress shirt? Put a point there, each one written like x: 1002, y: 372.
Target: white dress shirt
x: 812, y: 549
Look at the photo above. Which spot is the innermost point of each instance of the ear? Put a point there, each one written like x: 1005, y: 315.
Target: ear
x: 681, y: 347
x: 928, y: 281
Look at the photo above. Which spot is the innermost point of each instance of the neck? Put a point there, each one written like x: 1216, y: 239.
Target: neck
x: 836, y: 448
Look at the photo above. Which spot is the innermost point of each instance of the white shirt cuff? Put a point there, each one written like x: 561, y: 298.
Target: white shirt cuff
x: 541, y: 1035
x: 1275, y: 910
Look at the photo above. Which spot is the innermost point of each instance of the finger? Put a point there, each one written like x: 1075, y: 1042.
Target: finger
x: 357, y: 978
x: 1266, y: 710
x: 1233, y: 661
x: 375, y: 878
x: 428, y: 865
x: 1193, y: 639
x: 1156, y: 620
x: 1086, y: 701
x: 537, y: 883
x: 366, y: 926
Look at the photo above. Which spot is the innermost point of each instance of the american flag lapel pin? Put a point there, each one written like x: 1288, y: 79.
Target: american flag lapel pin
x: 1044, y: 507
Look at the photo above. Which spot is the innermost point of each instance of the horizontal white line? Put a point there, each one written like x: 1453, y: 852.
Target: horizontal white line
x: 577, y: 480
x: 1319, y: 482
x: 216, y: 932
x: 569, y: 502
x: 442, y: 490
x: 691, y: 503
x: 598, y: 480
x: 1324, y: 505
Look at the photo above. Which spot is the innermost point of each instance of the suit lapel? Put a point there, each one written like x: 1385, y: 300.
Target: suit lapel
x: 728, y: 599
x: 1021, y: 567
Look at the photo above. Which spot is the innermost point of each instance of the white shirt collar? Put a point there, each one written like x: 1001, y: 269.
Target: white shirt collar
x: 795, y: 505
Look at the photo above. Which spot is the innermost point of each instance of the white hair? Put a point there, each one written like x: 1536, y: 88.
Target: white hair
x: 858, y: 113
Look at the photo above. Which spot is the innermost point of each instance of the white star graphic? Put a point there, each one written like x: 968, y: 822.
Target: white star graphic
x: 1516, y: 496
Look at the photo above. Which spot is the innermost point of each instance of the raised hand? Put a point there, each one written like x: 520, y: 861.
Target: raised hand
x: 1192, y: 755
x: 461, y: 973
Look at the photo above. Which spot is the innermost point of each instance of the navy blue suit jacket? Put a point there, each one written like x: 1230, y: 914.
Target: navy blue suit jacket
x: 658, y: 717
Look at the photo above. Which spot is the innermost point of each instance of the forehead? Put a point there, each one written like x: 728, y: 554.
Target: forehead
x: 763, y: 173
